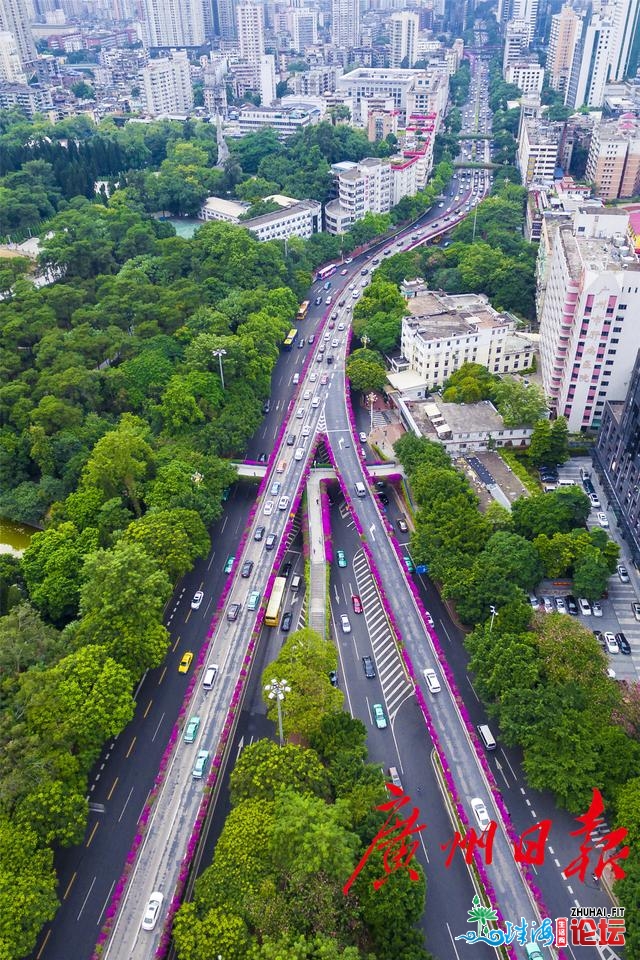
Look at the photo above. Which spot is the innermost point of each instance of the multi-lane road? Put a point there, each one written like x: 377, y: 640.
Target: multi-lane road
x: 127, y: 770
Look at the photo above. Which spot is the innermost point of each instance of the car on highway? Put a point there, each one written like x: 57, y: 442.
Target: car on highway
x: 610, y: 642
x: 262, y: 457
x: 533, y: 951
x: 268, y: 508
x: 232, y: 611
x: 362, y: 436
x: 345, y: 623
x: 341, y: 325
x: 394, y: 777
x: 341, y: 558
x: 191, y: 730
x: 283, y: 503
x: 357, y: 603
x: 259, y: 534
x: 318, y: 301
x: 402, y: 524
x: 315, y: 402
x: 200, y: 765
x: 379, y: 717
x: 285, y: 570
x: 334, y: 343
x: 300, y: 413
x: 313, y: 377
x: 229, y: 563
x: 311, y: 339
x: 368, y: 667
x: 306, y: 430
x: 253, y: 601
x: 408, y: 562
x: 480, y: 813
x: 275, y: 488
x: 247, y: 567
x: 324, y: 379
x: 602, y: 519
x: 285, y: 623
x: 185, y: 663
x: 623, y: 573
x: 623, y: 644
x: 152, y: 910
x: 635, y: 607
x: 299, y: 454
x: 306, y: 394
x: 270, y: 542
x: 431, y: 679
x: 198, y: 597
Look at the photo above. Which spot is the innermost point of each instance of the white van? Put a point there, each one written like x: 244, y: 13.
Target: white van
x: 361, y: 490
x: 210, y: 676
x: 486, y: 736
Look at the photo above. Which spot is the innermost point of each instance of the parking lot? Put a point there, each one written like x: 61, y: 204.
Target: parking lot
x: 617, y: 613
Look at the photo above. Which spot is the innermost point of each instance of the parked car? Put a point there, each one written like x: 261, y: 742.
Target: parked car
x: 333, y: 678
x: 585, y: 606
x: 610, y: 642
x: 596, y: 608
x: 561, y: 606
x: 602, y: 519
x: 599, y: 637
x: 285, y: 570
x: 623, y: 644
x: 636, y: 610
x: 595, y: 500
x: 572, y: 606
x: 198, y: 597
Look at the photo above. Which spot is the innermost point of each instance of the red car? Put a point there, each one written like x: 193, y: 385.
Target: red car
x: 357, y: 604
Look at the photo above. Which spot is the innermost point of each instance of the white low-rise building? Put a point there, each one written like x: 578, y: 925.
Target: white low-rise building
x: 284, y: 122
x: 442, y: 332
x: 227, y: 211
x: 462, y: 428
x: 302, y: 218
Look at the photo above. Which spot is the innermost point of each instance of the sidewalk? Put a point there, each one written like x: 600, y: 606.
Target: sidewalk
x: 318, y: 577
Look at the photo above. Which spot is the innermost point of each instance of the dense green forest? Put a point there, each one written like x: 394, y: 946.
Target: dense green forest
x: 543, y: 677
x: 301, y: 818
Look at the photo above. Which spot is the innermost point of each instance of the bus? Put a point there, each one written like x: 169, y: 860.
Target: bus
x: 290, y: 339
x: 326, y: 272
x: 272, y: 616
x: 302, y: 312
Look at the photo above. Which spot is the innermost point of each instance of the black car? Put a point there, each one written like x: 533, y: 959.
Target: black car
x: 369, y: 669
x: 262, y: 458
x: 599, y: 637
x: 384, y: 499
x: 318, y: 301
x: 266, y: 406
x: 259, y: 534
x: 329, y: 359
x: 301, y: 343
x: 285, y: 623
x: 623, y: 643
x: 270, y: 542
x: 285, y: 570
x: 333, y: 678
x: 402, y: 524
x: 291, y: 439
x: 572, y: 606
x: 381, y: 485
x: 247, y: 567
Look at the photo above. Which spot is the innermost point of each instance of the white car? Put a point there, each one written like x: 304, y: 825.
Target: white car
x: 306, y: 430
x: 480, y: 813
x: 363, y: 436
x: 561, y: 606
x: 432, y: 681
x: 268, y: 508
x: 345, y: 624
x: 300, y: 413
x: 334, y: 344
x: 585, y: 606
x: 547, y: 602
x: 306, y: 394
x: 283, y: 503
x: 611, y: 643
x: 595, y: 500
x: 198, y: 597
x: 313, y: 377
x: 596, y: 608
x: 152, y: 910
x: 315, y: 402
x: 341, y: 326
x: 602, y: 519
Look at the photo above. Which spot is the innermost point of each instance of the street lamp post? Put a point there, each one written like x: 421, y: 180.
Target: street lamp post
x: 220, y: 354
x: 493, y: 610
x: 277, y: 690
x: 365, y: 340
x: 371, y: 399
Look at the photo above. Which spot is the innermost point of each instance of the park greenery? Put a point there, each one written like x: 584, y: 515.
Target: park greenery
x: 301, y: 818
x: 542, y: 676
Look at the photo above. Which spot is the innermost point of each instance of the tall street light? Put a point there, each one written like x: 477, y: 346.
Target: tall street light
x: 371, y: 399
x: 220, y: 354
x: 493, y: 610
x: 277, y: 690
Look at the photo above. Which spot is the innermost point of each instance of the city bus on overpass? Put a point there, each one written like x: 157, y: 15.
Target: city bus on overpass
x: 290, y: 339
x: 326, y: 272
x: 272, y: 616
x: 303, y: 311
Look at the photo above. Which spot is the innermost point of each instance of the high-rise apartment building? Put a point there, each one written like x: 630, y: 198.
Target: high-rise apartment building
x: 527, y: 12
x: 515, y: 42
x: 226, y: 19
x: 613, y: 164
x: 403, y: 30
x: 588, y: 322
x: 15, y: 18
x: 617, y: 459
x: 10, y: 66
x: 591, y: 63
x: 304, y: 29
x: 345, y: 23
x: 173, y: 23
x: 251, y: 31
x: 626, y: 26
x: 566, y: 28
x: 528, y: 75
x: 538, y: 148
x: 166, y: 86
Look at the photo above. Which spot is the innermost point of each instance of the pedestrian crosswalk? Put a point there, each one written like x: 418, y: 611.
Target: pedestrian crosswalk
x: 395, y: 683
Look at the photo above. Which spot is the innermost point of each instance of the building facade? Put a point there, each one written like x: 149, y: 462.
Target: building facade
x: 403, y: 35
x: 250, y: 31
x: 613, y: 164
x: 538, y: 148
x: 617, y: 459
x: 301, y: 219
x: 528, y: 75
x: 566, y: 28
x: 588, y: 328
x: 173, y: 23
x: 166, y: 86
x: 15, y: 18
x: 10, y: 64
x: 345, y: 23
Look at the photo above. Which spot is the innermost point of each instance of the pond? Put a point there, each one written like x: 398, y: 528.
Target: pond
x: 15, y: 537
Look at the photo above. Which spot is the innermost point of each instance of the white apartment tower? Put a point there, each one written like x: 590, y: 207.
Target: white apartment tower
x: 566, y: 28
x: 15, y: 18
x: 515, y: 42
x: 345, y: 23
x: 166, y: 86
x: 304, y: 29
x: 404, y: 29
x: 251, y: 31
x: 626, y: 24
x: 527, y: 11
x: 173, y: 23
x: 588, y: 323
x: 591, y: 63
x: 10, y: 66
